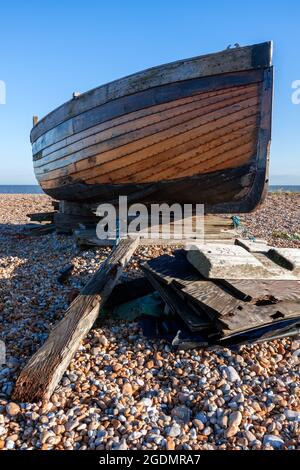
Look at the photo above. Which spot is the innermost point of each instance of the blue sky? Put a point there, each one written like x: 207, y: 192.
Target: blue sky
x: 50, y: 49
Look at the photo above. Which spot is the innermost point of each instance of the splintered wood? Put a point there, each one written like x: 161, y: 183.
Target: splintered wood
x: 44, y: 370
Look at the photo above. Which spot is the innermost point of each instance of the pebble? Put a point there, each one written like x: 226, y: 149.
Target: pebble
x: 9, y: 444
x: 207, y: 431
x: 234, y: 422
x: 127, y: 389
x: 145, y: 402
x: 72, y: 424
x: 170, y: 444
x: 174, y: 430
x: 198, y: 424
x: 103, y: 340
x: 201, y: 417
x: 292, y: 415
x: 250, y: 437
x: 182, y: 413
x: 12, y: 409
x: 232, y: 374
x: 273, y: 441
x: 121, y: 446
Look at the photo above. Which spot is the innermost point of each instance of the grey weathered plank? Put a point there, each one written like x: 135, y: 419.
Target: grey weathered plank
x: 263, y: 290
x: 211, y: 297
x: 219, y: 261
x: 195, y: 321
x: 172, y: 269
x: 252, y: 316
x: 44, y: 370
x: 205, y: 293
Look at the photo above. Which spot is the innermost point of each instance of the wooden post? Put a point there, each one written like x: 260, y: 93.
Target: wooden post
x: 44, y: 370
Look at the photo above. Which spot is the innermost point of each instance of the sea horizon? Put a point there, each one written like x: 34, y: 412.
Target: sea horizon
x: 36, y: 189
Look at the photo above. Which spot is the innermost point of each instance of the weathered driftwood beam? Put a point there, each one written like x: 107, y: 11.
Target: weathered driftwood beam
x: 44, y: 370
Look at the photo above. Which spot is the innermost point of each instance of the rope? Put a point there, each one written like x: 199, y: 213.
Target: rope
x: 237, y: 224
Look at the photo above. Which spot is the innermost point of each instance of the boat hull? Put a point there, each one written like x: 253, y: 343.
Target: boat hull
x: 203, y: 139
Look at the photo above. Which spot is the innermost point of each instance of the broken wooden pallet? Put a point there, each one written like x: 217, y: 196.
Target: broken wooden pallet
x: 44, y: 370
x: 225, y: 302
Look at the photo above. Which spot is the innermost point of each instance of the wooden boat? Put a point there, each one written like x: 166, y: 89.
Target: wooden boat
x: 193, y: 131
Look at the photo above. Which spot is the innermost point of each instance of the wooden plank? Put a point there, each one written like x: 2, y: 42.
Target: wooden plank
x: 73, y: 208
x: 189, y: 149
x: 237, y: 152
x: 68, y: 222
x: 195, y: 321
x: 231, y: 315
x: 44, y: 370
x: 201, y: 102
x: 172, y: 269
x: 41, y: 216
x: 89, y: 239
x: 243, y: 58
x: 253, y: 316
x: 277, y: 270
x: 218, y: 189
x: 65, y: 273
x: 234, y: 262
x: 211, y: 297
x: 227, y: 311
x: 218, y: 262
x: 263, y: 290
x: 109, y: 141
x: 40, y: 229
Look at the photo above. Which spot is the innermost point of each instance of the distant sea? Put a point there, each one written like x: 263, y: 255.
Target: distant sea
x: 35, y: 189
x: 285, y: 188
x: 21, y: 189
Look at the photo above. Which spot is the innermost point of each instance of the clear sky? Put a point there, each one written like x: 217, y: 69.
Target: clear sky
x: 48, y: 49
